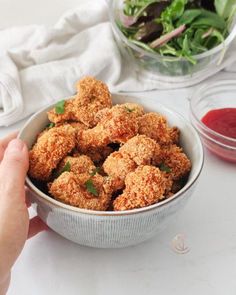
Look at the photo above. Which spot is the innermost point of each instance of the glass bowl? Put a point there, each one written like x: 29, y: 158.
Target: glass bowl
x: 165, y: 65
x: 217, y: 95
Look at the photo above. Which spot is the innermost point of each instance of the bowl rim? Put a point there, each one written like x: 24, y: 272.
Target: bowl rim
x: 222, y: 46
x: 188, y: 185
x: 197, y: 95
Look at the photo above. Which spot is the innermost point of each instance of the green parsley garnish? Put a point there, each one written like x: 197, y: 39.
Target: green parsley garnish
x: 60, y: 107
x: 165, y: 168
x: 95, y: 171
x: 91, y: 188
x: 50, y: 125
x: 129, y: 110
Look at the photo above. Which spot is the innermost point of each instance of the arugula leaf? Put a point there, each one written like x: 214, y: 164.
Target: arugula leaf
x: 209, y: 19
x: 91, y: 188
x: 164, y: 168
x: 60, y: 107
x: 224, y: 7
x: 188, y: 16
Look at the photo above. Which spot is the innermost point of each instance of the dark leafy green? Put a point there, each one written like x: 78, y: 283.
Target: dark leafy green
x: 50, y: 125
x: 165, y: 168
x: 179, y: 28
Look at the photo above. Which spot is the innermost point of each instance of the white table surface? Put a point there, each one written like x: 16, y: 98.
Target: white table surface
x: 50, y: 264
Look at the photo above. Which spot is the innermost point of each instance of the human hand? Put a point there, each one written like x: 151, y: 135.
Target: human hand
x: 15, y: 226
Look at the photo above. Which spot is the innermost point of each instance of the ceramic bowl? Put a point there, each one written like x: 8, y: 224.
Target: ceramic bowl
x: 104, y: 229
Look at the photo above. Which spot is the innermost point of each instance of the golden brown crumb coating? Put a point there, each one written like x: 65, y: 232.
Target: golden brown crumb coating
x: 133, y: 108
x: 93, y: 95
x: 50, y: 148
x: 79, y: 127
x: 145, y: 186
x: 119, y: 123
x: 98, y: 155
x: 175, y: 159
x: 155, y: 126
x: 68, y: 115
x: 94, y: 138
x: 79, y: 164
x: 118, y: 165
x: 141, y: 149
x: 174, y: 134
x: 71, y: 189
x: 116, y: 125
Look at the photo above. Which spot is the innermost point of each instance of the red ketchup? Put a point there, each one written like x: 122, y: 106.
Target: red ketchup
x: 222, y: 121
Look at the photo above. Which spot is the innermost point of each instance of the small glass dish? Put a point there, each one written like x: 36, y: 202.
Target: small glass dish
x: 216, y: 95
x: 166, y: 66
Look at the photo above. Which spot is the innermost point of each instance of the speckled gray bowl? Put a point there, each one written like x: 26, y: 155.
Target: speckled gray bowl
x: 103, y: 229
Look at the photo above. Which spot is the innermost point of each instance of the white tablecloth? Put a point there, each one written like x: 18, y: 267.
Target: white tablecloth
x: 50, y: 264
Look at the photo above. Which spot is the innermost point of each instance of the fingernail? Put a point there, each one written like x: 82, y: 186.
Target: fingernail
x: 15, y: 145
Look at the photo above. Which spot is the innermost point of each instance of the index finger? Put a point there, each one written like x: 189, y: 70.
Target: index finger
x: 4, y: 143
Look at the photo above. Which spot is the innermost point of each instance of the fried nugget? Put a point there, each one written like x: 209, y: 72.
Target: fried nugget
x: 94, y: 138
x: 141, y: 149
x: 175, y: 160
x: 51, y: 147
x: 155, y: 126
x: 71, y: 189
x: 116, y: 125
x: 118, y: 165
x: 93, y: 95
x: 119, y: 123
x: 174, y: 134
x: 77, y: 165
x: 143, y: 187
x: 79, y: 127
x: 68, y: 114
x: 98, y: 155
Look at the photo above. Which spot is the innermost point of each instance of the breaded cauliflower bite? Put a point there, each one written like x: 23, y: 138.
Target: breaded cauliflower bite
x: 70, y: 188
x: 68, y: 114
x: 95, y: 138
x: 51, y: 147
x: 77, y: 164
x: 119, y: 123
x: 175, y: 159
x: 79, y: 127
x: 143, y: 187
x: 141, y: 149
x: 93, y: 95
x: 155, y: 126
x: 116, y: 125
x: 118, y: 165
x: 98, y: 155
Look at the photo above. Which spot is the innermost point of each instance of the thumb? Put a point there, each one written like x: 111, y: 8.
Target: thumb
x: 14, y: 167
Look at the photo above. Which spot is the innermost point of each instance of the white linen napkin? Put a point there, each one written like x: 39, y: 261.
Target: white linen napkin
x: 40, y: 64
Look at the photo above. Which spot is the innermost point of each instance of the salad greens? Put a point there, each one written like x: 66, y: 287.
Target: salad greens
x: 179, y: 28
